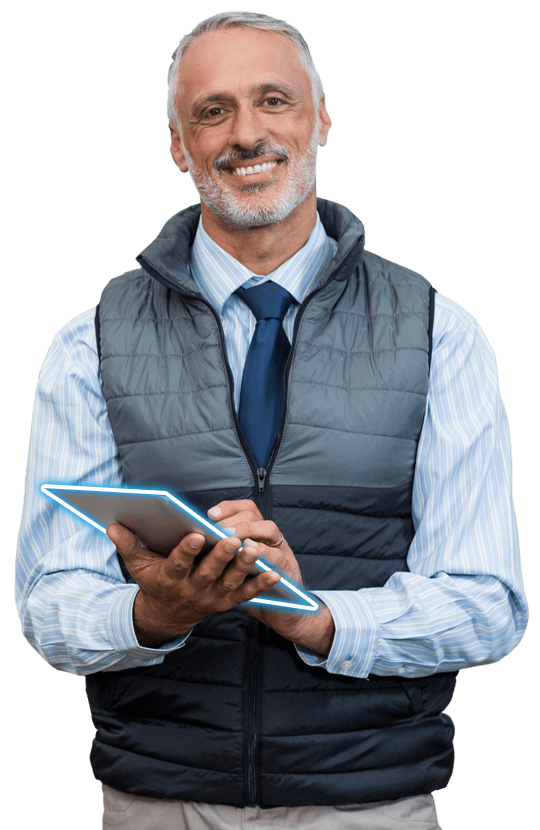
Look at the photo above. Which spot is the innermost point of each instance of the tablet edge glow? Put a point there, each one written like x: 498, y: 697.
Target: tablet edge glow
x: 46, y: 489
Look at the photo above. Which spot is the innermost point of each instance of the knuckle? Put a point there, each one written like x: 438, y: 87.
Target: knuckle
x: 263, y: 530
x: 255, y: 587
x: 176, y: 564
x: 233, y: 519
x: 275, y: 554
x: 229, y: 585
x: 247, y: 506
x: 206, y: 577
x: 245, y: 515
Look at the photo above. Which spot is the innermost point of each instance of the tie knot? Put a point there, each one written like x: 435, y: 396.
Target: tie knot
x: 268, y: 300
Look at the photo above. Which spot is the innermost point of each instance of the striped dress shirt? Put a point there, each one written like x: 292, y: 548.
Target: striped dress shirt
x: 460, y: 604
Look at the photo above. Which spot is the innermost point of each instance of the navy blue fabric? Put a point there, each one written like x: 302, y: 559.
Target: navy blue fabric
x: 261, y: 395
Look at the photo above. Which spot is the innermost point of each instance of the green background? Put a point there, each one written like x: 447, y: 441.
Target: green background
x: 432, y: 146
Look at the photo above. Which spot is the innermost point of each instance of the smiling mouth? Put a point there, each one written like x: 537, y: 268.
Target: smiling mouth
x: 252, y: 170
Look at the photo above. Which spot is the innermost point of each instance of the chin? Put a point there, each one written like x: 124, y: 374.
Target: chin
x: 244, y: 214
x: 253, y: 206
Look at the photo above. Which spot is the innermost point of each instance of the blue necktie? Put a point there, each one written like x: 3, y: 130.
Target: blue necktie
x: 261, y: 394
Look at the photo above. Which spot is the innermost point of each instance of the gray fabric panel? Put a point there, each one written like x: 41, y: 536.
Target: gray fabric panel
x: 188, y: 462
x: 372, y: 461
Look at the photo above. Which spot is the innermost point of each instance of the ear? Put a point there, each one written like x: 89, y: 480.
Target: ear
x: 326, y: 123
x: 177, y: 150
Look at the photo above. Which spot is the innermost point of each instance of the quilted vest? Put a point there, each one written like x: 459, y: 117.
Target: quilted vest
x: 235, y: 716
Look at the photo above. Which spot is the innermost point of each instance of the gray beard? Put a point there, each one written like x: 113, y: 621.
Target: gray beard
x: 253, y: 213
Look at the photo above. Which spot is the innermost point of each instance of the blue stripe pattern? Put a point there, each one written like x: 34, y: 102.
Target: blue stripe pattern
x: 460, y: 604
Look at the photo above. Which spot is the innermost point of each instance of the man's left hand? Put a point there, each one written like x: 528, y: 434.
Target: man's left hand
x: 312, y: 630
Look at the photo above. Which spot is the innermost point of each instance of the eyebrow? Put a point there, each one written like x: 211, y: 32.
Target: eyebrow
x: 226, y: 97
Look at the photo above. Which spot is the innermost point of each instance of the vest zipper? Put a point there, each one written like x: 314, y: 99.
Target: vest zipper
x: 260, y: 474
x: 251, y: 732
x: 263, y: 493
x: 351, y: 256
x: 254, y: 629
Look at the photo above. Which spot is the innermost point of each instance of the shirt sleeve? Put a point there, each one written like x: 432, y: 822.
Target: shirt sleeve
x: 74, y: 603
x: 462, y: 601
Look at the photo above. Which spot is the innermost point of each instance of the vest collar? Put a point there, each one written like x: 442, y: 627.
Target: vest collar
x: 166, y: 259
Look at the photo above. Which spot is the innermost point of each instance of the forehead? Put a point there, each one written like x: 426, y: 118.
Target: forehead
x: 237, y: 59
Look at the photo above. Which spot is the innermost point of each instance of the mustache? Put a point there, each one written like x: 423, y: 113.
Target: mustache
x: 263, y: 149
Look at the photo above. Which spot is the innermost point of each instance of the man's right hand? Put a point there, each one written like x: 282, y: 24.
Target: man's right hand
x: 175, y: 593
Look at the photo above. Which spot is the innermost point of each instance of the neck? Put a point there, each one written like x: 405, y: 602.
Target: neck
x: 264, y: 249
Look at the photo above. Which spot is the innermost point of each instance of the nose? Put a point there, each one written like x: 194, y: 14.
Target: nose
x: 247, y: 127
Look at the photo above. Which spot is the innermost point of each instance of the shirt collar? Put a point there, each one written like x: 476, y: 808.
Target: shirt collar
x: 218, y: 274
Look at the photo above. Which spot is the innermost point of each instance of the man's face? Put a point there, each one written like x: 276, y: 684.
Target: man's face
x: 250, y: 129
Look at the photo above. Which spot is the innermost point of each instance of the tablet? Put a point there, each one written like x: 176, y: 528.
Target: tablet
x: 160, y: 520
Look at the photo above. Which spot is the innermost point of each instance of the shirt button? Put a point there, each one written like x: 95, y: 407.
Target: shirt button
x: 401, y: 670
x: 346, y: 665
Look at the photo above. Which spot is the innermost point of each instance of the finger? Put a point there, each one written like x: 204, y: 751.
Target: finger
x: 225, y: 509
x: 125, y: 541
x: 181, y: 558
x: 210, y: 569
x: 252, y: 588
x: 283, y: 560
x: 246, y: 526
x: 238, y: 569
x: 137, y: 559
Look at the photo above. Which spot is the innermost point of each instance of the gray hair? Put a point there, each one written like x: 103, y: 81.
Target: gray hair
x: 247, y: 20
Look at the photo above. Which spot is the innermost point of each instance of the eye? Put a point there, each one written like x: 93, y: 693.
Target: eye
x: 273, y: 101
x: 213, y: 112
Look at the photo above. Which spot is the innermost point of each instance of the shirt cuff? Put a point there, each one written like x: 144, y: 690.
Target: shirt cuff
x: 122, y: 633
x: 353, y: 650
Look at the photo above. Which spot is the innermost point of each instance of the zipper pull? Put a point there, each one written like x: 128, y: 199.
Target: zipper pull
x: 261, y: 476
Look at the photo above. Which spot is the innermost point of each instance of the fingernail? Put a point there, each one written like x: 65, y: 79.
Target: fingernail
x: 232, y: 546
x: 214, y: 512
x: 196, y: 542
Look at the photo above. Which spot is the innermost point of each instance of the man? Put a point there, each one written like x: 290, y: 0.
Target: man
x: 381, y: 484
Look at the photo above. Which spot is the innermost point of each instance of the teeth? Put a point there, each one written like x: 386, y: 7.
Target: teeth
x: 257, y: 168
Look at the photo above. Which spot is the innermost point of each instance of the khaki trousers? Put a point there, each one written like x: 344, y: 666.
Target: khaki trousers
x: 135, y: 812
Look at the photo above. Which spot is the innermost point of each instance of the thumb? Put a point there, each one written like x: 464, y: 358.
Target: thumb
x: 136, y: 558
x: 125, y: 541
